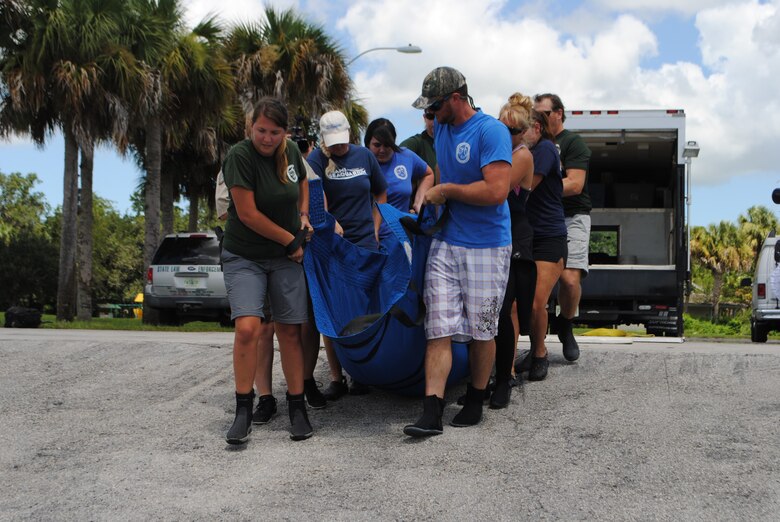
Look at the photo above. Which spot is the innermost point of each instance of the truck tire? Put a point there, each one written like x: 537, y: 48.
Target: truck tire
x: 758, y: 332
x: 151, y: 316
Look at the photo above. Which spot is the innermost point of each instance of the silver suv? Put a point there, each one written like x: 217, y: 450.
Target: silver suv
x: 185, y: 282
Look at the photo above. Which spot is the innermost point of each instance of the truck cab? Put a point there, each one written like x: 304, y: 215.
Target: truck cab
x: 639, y: 257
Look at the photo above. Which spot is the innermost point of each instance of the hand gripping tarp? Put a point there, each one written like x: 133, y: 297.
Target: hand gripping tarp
x: 370, y: 304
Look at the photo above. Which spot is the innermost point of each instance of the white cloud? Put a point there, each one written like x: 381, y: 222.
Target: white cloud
x: 598, y: 67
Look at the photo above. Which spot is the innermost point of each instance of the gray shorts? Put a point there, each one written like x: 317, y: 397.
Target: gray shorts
x: 578, y: 232
x: 250, y: 283
x: 464, y: 290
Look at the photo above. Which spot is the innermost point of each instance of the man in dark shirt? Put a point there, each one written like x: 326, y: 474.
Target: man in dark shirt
x: 575, y: 156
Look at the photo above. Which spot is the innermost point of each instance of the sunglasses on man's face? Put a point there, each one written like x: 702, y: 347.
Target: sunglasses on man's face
x: 437, y: 105
x: 429, y: 115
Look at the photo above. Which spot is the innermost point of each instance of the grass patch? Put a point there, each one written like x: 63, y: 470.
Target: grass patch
x: 109, y: 323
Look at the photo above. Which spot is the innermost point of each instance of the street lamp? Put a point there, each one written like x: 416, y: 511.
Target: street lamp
x: 406, y: 49
x: 690, y: 151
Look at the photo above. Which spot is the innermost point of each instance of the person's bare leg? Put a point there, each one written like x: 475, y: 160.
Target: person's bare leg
x: 247, y: 333
x: 265, y: 360
x: 482, y: 355
x: 547, y: 274
x: 291, y: 352
x: 438, y: 363
x: 570, y: 291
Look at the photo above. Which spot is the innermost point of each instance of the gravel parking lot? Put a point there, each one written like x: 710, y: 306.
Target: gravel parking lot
x: 130, y: 426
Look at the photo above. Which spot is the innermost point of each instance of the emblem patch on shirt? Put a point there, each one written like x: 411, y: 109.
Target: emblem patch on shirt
x: 463, y: 152
x: 292, y: 175
x: 400, y: 172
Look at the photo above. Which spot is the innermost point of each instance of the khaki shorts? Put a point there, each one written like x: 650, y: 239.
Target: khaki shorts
x: 578, y: 232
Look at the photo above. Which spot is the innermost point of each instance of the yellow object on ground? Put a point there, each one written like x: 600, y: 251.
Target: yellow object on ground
x: 606, y: 332
x: 614, y: 332
x: 138, y: 313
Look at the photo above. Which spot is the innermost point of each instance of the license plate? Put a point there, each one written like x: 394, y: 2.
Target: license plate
x: 192, y: 282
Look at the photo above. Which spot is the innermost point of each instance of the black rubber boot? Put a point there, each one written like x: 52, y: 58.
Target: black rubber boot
x: 242, y: 425
x: 503, y: 392
x: 300, y: 428
x: 471, y: 413
x: 538, y: 370
x: 571, y: 350
x: 314, y: 396
x: 430, y: 422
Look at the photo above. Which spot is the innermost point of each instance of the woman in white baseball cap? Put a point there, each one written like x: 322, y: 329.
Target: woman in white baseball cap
x: 352, y: 181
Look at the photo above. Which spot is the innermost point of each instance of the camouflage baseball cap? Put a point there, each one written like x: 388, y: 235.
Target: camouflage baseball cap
x: 439, y: 83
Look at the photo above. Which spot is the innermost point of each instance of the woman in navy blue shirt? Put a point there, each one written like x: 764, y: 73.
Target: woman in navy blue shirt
x: 545, y: 212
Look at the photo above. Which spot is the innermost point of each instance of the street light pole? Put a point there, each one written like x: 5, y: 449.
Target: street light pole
x: 690, y: 151
x: 406, y: 49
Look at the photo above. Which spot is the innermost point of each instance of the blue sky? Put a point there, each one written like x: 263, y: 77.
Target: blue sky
x: 594, y: 53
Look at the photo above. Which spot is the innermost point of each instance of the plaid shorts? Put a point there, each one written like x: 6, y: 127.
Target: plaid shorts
x: 464, y: 289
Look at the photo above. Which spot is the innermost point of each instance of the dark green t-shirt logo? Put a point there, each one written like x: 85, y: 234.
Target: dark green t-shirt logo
x: 291, y: 174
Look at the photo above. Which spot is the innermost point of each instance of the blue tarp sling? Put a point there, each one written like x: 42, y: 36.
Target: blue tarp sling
x: 369, y: 303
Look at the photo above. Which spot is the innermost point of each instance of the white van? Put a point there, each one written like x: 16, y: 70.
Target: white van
x: 765, y: 316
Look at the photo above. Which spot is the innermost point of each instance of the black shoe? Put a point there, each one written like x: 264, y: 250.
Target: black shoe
x: 538, y: 370
x: 471, y: 413
x: 358, y: 388
x: 490, y: 387
x: 242, y: 424
x: 266, y: 408
x: 300, y: 427
x: 336, y: 389
x: 502, y: 393
x: 524, y: 364
x: 314, y: 396
x: 571, y: 350
x: 430, y: 422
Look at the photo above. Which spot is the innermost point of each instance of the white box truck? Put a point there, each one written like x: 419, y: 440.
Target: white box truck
x: 638, y: 184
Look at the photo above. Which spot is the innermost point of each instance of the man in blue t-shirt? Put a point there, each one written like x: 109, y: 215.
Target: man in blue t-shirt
x: 468, y: 263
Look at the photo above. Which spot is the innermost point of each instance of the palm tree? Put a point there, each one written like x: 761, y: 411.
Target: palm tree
x: 288, y: 57
x: 755, y: 227
x: 60, y: 72
x: 204, y: 114
x: 157, y: 23
x: 720, y: 249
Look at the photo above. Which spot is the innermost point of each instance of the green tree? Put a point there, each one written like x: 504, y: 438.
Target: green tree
x: 719, y: 249
x: 754, y: 228
x: 68, y: 67
x: 28, y: 254
x: 21, y: 207
x: 291, y: 58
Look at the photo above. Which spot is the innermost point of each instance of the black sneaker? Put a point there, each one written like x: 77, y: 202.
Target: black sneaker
x: 538, y: 371
x: 266, y: 408
x: 314, y: 396
x: 336, y: 389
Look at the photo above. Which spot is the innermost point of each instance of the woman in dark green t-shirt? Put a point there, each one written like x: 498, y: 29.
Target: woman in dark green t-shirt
x: 262, y: 253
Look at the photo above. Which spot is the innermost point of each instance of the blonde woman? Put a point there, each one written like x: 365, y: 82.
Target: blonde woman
x: 515, y: 315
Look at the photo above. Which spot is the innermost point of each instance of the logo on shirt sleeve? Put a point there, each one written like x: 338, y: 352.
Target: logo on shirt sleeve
x: 400, y: 172
x: 463, y: 152
x: 292, y: 175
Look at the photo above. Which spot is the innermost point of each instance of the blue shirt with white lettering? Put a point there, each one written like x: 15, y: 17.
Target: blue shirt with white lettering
x: 462, y: 151
x: 350, y: 191
x: 403, y: 168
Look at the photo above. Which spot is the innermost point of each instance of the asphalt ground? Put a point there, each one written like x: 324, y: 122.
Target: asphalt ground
x: 130, y: 426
